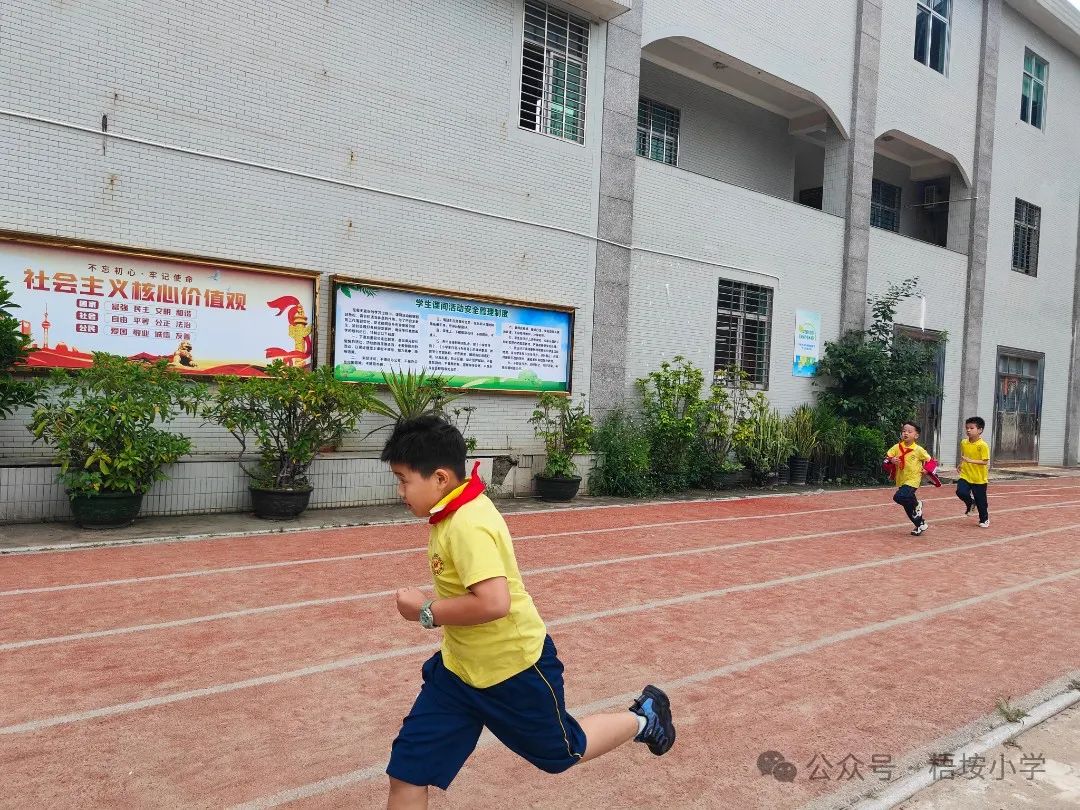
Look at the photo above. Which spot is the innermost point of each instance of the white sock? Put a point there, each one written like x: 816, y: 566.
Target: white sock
x: 640, y: 723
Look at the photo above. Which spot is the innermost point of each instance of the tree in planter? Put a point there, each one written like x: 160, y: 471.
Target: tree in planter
x: 869, y: 378
x: 288, y: 415
x: 14, y: 347
x: 566, y: 430
x: 101, y: 421
x: 671, y: 400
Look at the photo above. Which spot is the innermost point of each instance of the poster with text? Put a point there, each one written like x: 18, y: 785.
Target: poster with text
x: 204, y: 319
x: 807, y: 343
x: 470, y: 343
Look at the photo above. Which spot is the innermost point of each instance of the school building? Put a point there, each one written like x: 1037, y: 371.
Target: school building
x: 685, y: 177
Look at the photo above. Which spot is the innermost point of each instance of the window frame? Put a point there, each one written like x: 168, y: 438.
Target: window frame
x: 671, y: 142
x: 875, y: 184
x: 741, y: 315
x: 1026, y: 101
x: 928, y: 6
x: 538, y: 83
x: 1021, y: 226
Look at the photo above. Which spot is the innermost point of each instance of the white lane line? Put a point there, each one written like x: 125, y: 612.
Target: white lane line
x: 333, y: 600
x: 353, y: 661
x: 372, y: 772
x: 417, y: 549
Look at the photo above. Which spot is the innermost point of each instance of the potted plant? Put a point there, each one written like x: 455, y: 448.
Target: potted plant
x: 288, y: 415
x: 803, y: 435
x: 566, y: 430
x: 831, y: 443
x: 102, y: 420
x: 413, y: 394
x: 760, y: 440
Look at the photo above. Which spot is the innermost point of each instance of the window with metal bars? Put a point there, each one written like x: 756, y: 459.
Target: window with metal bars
x: 1033, y: 94
x: 658, y: 132
x: 554, y: 60
x: 932, y: 33
x: 885, y: 206
x: 744, y: 330
x: 1025, y: 252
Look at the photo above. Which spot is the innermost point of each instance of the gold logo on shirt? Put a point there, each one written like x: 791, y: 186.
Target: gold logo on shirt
x: 437, y: 565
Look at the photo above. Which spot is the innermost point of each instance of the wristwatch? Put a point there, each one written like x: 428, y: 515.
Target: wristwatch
x: 427, y: 619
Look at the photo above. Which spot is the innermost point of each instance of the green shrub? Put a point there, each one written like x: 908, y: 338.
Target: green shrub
x: 102, y: 422
x: 865, y: 451
x: 566, y: 429
x: 802, y: 432
x: 761, y: 441
x: 622, y: 463
x: 671, y: 400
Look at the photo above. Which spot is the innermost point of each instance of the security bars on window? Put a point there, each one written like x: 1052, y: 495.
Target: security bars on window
x: 554, y: 56
x: 1025, y: 254
x: 1033, y: 95
x: 932, y: 33
x: 885, y: 206
x: 658, y: 132
x: 744, y: 330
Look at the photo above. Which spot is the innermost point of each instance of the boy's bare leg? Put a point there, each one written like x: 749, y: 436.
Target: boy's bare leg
x: 404, y: 796
x: 606, y: 732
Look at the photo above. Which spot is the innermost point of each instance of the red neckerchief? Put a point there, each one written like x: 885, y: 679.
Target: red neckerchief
x: 894, y: 469
x: 474, y: 487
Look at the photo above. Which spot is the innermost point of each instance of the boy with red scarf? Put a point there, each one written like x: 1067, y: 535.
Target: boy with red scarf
x: 908, y: 461
x: 498, y: 667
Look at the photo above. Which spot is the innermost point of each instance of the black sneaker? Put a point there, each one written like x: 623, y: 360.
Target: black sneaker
x: 659, y: 731
x: 968, y: 510
x: 922, y: 527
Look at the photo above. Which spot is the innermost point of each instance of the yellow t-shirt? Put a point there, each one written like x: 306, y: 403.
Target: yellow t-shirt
x: 471, y: 545
x: 980, y: 451
x: 912, y: 472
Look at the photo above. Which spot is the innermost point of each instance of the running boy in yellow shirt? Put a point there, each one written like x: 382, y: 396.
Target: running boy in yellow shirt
x: 907, y: 459
x: 974, y: 470
x: 497, y: 667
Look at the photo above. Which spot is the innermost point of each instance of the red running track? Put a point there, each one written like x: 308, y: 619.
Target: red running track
x: 273, y: 670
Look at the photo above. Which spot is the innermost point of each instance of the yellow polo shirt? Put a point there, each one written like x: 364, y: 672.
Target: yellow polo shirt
x: 980, y: 451
x: 912, y: 472
x: 469, y: 546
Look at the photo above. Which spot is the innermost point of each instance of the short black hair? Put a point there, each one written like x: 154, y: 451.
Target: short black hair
x: 916, y: 425
x: 977, y: 421
x: 426, y: 443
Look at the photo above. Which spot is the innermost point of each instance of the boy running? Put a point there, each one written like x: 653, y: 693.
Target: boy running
x: 974, y: 470
x: 907, y: 459
x: 498, y: 667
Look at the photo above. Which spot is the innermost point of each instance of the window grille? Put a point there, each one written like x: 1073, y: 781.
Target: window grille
x: 885, y: 206
x: 1025, y: 252
x: 744, y: 330
x: 658, y: 132
x: 554, y: 61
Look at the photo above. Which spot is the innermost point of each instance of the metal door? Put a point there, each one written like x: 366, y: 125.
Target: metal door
x: 1017, y: 407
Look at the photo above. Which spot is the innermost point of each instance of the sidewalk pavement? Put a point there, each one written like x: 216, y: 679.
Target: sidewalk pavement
x: 1040, y: 770
x: 60, y: 535
x: 162, y: 528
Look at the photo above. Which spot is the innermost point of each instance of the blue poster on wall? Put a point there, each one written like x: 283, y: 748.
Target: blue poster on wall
x: 807, y: 343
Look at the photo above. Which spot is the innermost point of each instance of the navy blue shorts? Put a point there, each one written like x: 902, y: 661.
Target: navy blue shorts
x: 527, y: 713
